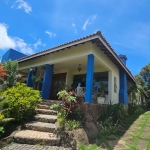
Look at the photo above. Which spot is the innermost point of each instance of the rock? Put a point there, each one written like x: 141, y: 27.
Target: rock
x: 67, y: 140
x: 80, y: 136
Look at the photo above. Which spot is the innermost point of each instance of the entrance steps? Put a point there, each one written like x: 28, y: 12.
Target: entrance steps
x: 41, y: 131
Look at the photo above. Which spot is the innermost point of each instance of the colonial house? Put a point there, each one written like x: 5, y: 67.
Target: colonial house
x: 83, y: 60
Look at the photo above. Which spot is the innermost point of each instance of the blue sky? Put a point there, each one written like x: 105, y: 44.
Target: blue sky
x: 31, y: 26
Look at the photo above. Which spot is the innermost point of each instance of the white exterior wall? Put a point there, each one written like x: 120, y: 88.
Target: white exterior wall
x: 69, y: 78
x: 113, y: 72
x: 58, y: 57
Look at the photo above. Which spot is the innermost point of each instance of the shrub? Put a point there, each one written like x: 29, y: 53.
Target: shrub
x: 70, y: 102
x: 72, y: 124
x: 19, y: 101
x: 107, y: 127
x: 134, y: 108
x: 116, y: 112
x: 68, y: 116
x: 148, y: 103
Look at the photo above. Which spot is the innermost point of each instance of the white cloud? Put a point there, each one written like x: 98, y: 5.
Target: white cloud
x: 38, y: 43
x: 24, y: 47
x: 75, y: 29
x: 73, y: 25
x: 7, y: 42
x: 89, y: 21
x: 51, y: 34
x: 21, y: 4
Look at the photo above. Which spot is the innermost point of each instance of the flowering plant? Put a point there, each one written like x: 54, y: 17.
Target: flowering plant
x: 70, y: 102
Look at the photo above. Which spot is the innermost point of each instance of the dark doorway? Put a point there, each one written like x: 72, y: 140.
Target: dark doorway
x: 58, y: 83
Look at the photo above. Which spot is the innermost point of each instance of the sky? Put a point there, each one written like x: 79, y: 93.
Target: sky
x: 30, y: 26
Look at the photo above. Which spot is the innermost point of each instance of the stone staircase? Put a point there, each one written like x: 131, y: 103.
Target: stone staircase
x: 41, y: 131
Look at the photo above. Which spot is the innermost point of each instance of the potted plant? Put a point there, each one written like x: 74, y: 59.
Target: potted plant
x: 101, y: 93
x: 37, y: 80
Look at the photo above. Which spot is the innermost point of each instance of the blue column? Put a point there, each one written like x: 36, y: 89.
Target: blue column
x: 123, y: 96
x: 47, y: 81
x: 89, y: 78
x: 29, y: 79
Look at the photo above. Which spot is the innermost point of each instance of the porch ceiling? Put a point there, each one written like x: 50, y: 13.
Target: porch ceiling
x: 74, y: 64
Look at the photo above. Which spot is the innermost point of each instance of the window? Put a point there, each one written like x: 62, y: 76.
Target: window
x: 115, y: 84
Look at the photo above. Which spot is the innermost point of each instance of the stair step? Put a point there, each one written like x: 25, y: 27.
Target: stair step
x: 16, y: 146
x: 46, y: 111
x: 50, y: 102
x: 46, y: 118
x: 36, y: 137
x: 41, y: 126
x: 40, y: 106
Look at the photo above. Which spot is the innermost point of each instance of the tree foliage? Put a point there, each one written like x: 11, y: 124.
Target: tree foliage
x: 145, y: 74
x: 2, y: 72
x: 11, y: 68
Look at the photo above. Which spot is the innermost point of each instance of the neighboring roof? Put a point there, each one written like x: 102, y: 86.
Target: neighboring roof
x: 97, y: 38
x: 12, y: 54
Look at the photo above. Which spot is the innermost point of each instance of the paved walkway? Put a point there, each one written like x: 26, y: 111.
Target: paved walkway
x: 137, y: 137
x: 32, y: 147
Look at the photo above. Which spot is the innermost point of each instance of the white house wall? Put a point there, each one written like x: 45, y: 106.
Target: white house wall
x: 58, y: 57
x: 113, y: 72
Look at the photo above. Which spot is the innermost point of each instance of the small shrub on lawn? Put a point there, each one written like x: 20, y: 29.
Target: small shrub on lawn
x: 111, y: 122
x: 19, y: 102
x: 134, y: 108
x: 72, y: 124
x: 68, y: 116
x: 116, y: 112
x: 88, y: 147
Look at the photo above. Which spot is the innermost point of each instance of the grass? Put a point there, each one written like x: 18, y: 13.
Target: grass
x: 134, y: 136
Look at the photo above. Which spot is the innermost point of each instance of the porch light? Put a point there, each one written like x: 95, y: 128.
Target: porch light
x: 79, y: 68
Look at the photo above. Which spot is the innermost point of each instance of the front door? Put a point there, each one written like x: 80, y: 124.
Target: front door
x: 58, y: 83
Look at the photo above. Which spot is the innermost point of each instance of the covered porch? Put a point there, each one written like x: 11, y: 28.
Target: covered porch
x: 61, y: 69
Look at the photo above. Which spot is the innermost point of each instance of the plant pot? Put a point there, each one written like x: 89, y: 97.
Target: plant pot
x: 100, y: 100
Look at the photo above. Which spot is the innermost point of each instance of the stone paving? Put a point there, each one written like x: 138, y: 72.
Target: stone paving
x: 136, y: 137
x: 32, y: 147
